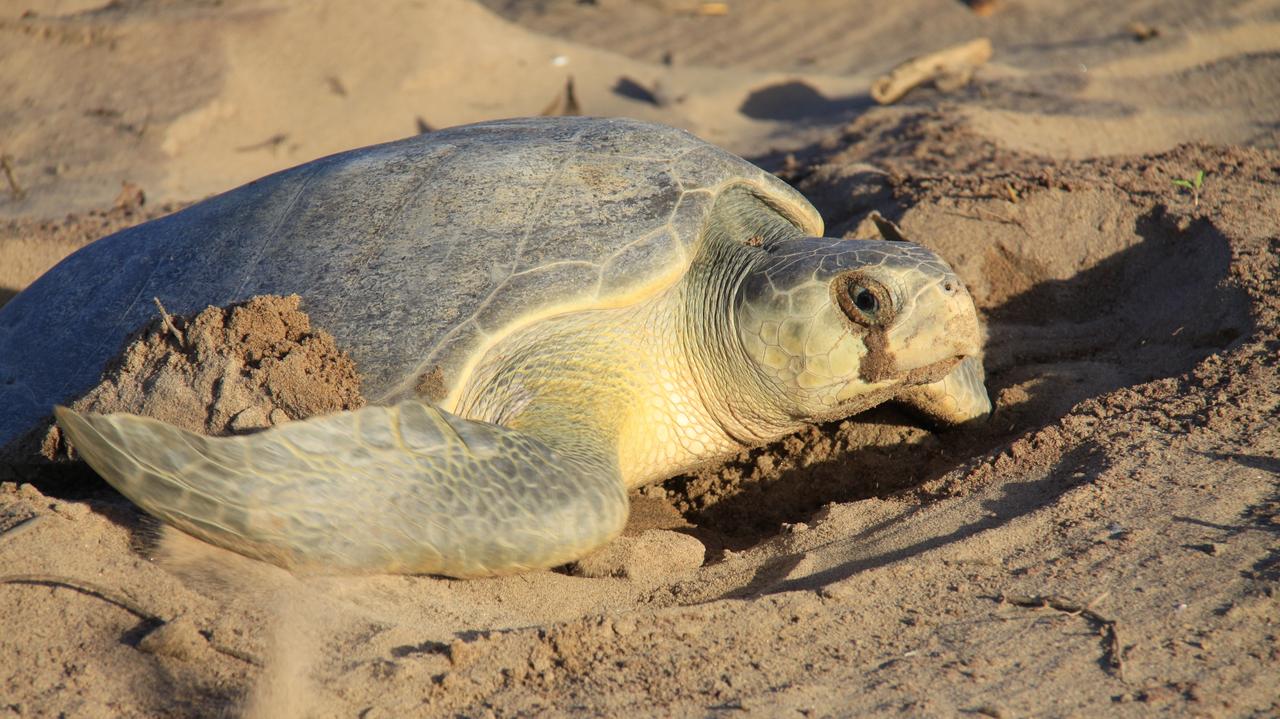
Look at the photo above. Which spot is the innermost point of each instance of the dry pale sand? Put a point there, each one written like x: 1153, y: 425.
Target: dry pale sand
x: 1108, y: 545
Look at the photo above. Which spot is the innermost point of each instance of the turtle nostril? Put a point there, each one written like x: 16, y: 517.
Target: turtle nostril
x: 949, y: 287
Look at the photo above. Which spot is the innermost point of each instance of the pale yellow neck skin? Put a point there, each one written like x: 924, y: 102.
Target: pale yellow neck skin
x: 617, y: 381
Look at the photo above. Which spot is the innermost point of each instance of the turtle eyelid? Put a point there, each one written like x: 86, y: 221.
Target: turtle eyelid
x: 863, y: 300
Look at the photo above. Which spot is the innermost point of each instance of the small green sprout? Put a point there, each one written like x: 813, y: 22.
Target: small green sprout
x: 1193, y: 185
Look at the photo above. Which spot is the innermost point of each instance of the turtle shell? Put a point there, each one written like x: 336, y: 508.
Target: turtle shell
x: 416, y: 255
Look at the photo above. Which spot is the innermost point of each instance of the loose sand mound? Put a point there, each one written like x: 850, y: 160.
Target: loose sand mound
x: 229, y: 370
x: 225, y: 371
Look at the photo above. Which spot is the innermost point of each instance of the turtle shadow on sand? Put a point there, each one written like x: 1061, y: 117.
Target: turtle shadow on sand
x: 795, y: 100
x: 1152, y: 310
x: 1015, y: 499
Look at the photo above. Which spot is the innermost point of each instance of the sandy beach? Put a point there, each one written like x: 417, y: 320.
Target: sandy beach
x: 1107, y: 545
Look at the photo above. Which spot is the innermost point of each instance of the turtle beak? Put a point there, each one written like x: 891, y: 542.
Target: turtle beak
x: 942, y: 329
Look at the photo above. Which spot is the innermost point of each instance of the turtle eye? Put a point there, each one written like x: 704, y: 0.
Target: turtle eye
x: 864, y: 301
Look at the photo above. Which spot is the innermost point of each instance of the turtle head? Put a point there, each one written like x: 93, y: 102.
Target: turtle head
x: 836, y: 326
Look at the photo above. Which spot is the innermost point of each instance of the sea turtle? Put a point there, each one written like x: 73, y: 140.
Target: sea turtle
x: 596, y: 303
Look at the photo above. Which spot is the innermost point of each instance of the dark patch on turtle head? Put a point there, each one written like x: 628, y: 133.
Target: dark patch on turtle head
x: 878, y: 364
x: 868, y: 306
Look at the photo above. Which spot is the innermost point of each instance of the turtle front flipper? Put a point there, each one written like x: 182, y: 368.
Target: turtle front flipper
x: 958, y: 398
x: 408, y: 488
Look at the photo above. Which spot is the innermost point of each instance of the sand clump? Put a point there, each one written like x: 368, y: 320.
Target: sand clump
x: 225, y: 371
x: 652, y: 555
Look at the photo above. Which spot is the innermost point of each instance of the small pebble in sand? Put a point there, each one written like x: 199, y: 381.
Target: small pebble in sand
x: 29, y: 491
x: 624, y: 626
x: 837, y: 592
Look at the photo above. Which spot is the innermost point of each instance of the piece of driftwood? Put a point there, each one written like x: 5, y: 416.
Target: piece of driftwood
x: 950, y: 69
x: 983, y: 7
